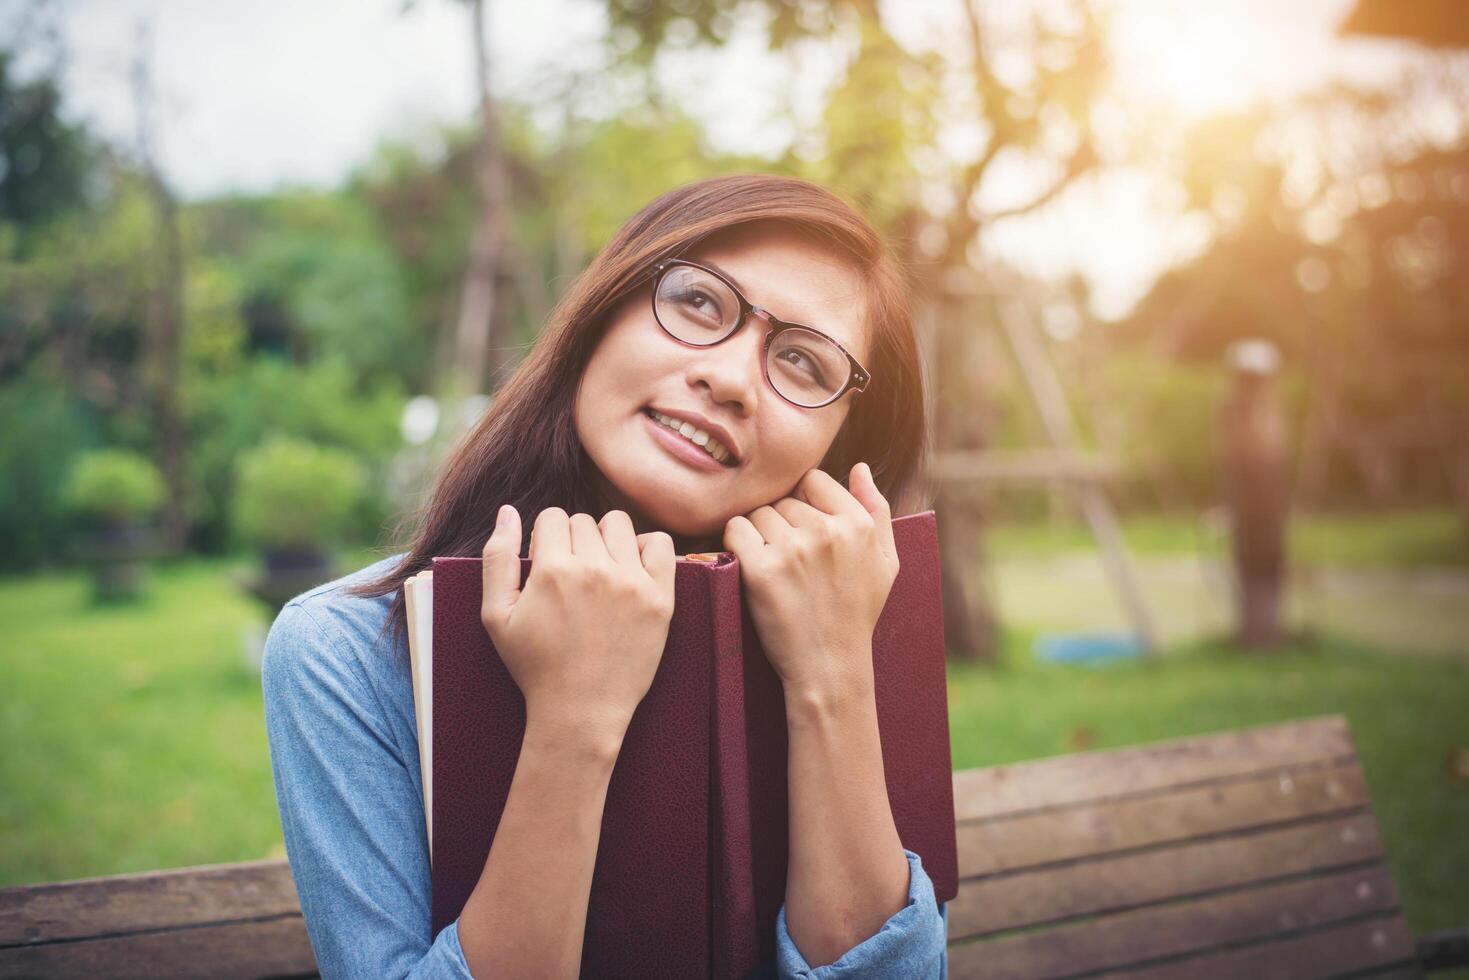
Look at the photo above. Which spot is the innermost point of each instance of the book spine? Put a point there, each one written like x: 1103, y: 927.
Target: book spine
x: 734, y: 943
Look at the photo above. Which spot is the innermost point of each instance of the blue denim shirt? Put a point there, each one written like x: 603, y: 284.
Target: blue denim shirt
x: 344, y: 753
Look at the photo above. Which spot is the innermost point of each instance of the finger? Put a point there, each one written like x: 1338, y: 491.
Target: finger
x: 826, y: 494
x: 743, y: 538
x: 798, y: 513
x: 658, y: 559
x: 551, y: 535
x: 501, y: 570
x: 618, y: 537
x: 769, y: 523
x: 865, y: 492
x: 586, y: 538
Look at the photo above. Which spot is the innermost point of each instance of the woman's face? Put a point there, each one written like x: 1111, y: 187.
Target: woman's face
x: 661, y: 478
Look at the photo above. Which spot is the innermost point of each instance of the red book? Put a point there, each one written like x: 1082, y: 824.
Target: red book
x: 691, y: 867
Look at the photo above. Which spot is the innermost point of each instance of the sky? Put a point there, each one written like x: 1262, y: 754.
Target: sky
x: 253, y: 96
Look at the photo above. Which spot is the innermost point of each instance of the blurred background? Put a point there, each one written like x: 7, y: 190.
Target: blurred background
x: 1191, y: 280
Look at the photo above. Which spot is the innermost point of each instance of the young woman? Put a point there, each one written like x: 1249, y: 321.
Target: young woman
x: 739, y: 349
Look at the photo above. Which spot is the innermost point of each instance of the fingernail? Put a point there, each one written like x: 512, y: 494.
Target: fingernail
x: 867, y: 470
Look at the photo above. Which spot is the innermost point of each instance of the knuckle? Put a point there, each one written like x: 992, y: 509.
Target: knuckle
x: 599, y: 575
x: 555, y: 569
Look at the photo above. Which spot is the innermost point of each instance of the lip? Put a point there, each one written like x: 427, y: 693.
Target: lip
x: 681, y: 447
x: 713, y: 428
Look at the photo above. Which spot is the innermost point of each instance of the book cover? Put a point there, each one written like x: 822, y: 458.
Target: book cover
x: 690, y: 871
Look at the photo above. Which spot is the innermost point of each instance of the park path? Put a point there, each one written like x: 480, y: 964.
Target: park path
x: 1407, y: 611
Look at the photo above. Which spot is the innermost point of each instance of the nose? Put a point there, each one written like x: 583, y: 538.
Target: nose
x: 731, y: 372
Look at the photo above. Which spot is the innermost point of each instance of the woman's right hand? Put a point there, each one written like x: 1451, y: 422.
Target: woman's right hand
x: 585, y: 636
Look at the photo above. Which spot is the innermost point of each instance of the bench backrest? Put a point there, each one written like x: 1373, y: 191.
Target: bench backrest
x: 1247, y: 854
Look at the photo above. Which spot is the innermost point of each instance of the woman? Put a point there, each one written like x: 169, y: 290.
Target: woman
x: 663, y: 409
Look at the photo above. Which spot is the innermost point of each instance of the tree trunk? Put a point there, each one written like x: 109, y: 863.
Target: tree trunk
x: 166, y: 314
x: 970, y: 627
x: 478, y: 346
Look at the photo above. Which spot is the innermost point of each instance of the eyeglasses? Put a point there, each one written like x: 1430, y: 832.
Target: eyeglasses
x: 698, y: 306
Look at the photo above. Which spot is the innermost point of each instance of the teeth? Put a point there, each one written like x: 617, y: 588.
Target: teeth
x: 697, y: 436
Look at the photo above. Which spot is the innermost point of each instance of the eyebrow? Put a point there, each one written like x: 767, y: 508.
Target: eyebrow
x: 740, y: 286
x: 726, y: 274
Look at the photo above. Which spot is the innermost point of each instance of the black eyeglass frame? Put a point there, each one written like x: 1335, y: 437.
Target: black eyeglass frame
x: 857, y: 378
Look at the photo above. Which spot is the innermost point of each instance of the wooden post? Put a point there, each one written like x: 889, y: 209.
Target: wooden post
x: 1050, y: 402
x: 1255, y: 453
x: 970, y: 627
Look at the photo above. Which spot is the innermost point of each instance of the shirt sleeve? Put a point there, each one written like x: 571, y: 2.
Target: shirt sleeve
x: 350, y: 811
x: 911, y: 945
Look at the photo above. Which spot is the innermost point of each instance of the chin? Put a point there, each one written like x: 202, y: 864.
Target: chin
x: 683, y: 522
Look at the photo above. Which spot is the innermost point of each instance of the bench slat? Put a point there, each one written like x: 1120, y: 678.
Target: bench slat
x: 1104, y: 884
x: 1129, y: 938
x: 1356, y: 946
x: 273, y: 948
x: 1111, y: 826
x: 1097, y: 774
x: 153, y: 900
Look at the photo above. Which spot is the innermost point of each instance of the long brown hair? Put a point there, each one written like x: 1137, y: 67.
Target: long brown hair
x: 524, y: 450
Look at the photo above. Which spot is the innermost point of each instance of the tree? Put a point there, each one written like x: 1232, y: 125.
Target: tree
x: 1339, y: 230
x: 45, y: 162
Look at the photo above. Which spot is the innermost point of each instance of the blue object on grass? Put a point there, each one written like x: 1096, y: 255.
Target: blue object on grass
x: 1086, y: 648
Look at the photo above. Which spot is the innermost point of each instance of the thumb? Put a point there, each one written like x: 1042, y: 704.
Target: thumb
x: 501, y: 568
x: 862, y: 486
x: 658, y: 558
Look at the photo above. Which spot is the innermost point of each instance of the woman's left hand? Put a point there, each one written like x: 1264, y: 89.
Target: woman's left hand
x: 817, y: 569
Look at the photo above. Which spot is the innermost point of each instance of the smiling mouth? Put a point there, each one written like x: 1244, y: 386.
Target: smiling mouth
x: 695, y: 437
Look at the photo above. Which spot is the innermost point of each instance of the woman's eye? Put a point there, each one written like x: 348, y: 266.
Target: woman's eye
x: 804, y: 361
x: 701, y: 303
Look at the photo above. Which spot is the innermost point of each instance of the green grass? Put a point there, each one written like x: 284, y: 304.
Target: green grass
x: 1400, y: 540
x: 134, y: 736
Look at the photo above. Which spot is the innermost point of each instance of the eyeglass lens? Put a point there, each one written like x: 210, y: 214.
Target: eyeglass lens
x: 700, y: 308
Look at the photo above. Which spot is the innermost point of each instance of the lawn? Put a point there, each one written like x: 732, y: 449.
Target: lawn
x: 135, y: 739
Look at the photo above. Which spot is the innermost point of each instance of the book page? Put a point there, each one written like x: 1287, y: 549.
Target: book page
x: 418, y: 596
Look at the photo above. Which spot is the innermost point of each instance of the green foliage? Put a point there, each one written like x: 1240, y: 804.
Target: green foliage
x: 293, y: 494
x: 45, y: 425
x: 45, y: 161
x: 873, y: 120
x: 318, y: 261
x: 1174, y: 409
x: 114, y: 485
x: 228, y: 413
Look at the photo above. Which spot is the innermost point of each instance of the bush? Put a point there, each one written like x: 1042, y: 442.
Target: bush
x: 114, y: 486
x: 293, y: 494
x: 321, y: 404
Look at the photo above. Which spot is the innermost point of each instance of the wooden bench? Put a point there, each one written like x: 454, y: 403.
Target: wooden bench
x: 1246, y: 854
